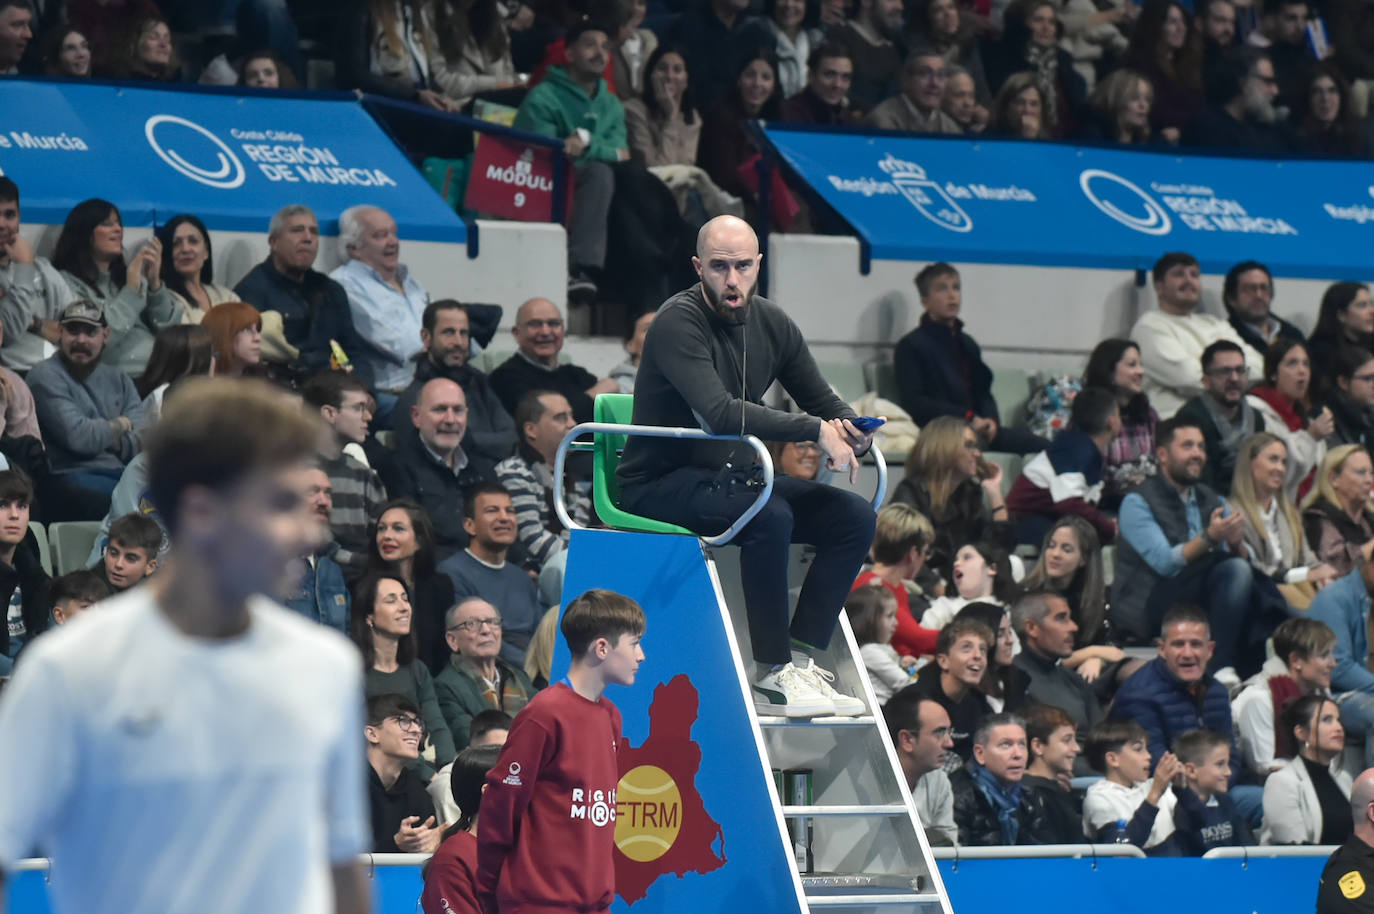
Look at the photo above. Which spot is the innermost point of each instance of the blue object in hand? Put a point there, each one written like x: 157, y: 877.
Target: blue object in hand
x: 867, y: 424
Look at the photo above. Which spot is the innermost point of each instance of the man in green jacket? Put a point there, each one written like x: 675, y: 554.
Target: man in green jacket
x: 574, y: 104
x: 476, y: 679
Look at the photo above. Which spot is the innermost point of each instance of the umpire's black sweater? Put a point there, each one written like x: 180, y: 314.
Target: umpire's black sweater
x: 689, y: 376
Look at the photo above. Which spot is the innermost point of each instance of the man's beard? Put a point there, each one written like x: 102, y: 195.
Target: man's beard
x: 79, y: 370
x: 725, y: 312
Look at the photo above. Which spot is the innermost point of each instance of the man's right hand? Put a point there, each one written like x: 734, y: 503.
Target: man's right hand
x: 1222, y: 529
x: 839, y: 455
x: 416, y: 837
x: 19, y: 250
x: 574, y: 146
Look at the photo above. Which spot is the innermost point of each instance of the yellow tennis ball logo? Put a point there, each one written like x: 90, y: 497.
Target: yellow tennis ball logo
x: 648, y: 813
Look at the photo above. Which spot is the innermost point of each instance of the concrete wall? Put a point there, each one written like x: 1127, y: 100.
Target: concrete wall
x: 1030, y: 317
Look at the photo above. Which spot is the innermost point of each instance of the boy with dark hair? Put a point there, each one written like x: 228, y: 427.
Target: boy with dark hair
x: 23, y: 582
x: 1052, y: 741
x: 1066, y: 477
x: 1205, y: 816
x: 962, y: 650
x: 226, y: 466
x: 74, y: 593
x: 356, y: 489
x: 548, y: 817
x: 1126, y: 799
x: 402, y: 812
x: 940, y: 368
x: 131, y: 553
x: 489, y: 728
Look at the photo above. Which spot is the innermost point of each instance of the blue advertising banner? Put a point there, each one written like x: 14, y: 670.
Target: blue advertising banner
x: 1051, y: 204
x: 695, y: 828
x: 232, y: 160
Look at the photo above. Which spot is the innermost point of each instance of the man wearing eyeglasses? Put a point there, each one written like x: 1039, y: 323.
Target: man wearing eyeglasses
x: 402, y: 812
x: 1222, y: 412
x: 476, y: 678
x: 920, y: 731
x: 539, y: 331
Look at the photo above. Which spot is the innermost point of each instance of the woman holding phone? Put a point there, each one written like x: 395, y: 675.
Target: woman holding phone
x: 90, y: 255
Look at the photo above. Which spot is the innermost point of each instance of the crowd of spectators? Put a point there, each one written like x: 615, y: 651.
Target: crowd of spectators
x: 1225, y: 461
x: 1217, y: 475
x: 651, y: 100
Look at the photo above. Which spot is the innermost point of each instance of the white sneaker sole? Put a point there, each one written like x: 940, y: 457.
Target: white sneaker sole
x: 813, y: 709
x: 845, y: 706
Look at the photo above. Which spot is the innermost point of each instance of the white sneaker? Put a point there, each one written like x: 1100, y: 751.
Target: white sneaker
x: 789, y: 692
x: 845, y: 705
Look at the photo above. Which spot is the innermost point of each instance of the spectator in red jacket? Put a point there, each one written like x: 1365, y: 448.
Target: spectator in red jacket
x: 900, y: 547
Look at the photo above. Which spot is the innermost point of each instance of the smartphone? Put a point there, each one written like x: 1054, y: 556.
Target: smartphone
x: 867, y: 424
x: 986, y: 470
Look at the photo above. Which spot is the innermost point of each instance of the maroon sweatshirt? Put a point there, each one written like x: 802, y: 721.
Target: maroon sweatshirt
x: 450, y: 880
x: 546, y: 835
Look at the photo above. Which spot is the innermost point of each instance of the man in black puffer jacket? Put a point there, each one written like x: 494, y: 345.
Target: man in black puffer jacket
x: 990, y: 806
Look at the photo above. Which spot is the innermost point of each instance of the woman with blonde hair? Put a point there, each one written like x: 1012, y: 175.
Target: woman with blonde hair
x: 948, y: 481
x: 1121, y: 105
x: 1336, y: 516
x: 539, y: 654
x: 1273, y: 532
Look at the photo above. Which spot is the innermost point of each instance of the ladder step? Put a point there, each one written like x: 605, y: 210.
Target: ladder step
x: 808, y: 812
x: 773, y: 721
x: 856, y: 901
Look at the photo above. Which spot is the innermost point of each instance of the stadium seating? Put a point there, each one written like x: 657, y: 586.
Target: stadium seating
x: 71, y: 543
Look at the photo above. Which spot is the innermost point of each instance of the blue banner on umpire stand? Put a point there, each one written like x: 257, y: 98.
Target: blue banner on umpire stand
x: 233, y: 160
x: 695, y: 828
x: 1059, y: 205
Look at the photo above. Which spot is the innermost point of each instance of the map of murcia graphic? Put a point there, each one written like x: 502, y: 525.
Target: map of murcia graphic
x: 661, y: 824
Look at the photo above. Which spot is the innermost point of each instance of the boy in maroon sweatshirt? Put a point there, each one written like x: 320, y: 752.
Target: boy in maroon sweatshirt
x: 547, y: 829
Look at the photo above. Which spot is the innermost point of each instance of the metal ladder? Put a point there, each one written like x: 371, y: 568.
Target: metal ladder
x: 869, y: 849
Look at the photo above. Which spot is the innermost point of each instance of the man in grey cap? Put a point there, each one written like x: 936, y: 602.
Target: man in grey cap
x: 87, y: 411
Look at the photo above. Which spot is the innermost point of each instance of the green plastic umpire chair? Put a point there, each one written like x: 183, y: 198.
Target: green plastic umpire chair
x: 606, y: 450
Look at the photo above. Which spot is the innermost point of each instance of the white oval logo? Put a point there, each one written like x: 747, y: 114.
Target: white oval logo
x: 228, y: 172
x: 514, y: 767
x: 1155, y: 221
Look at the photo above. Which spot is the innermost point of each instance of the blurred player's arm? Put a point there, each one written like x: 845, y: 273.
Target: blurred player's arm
x: 347, y: 823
